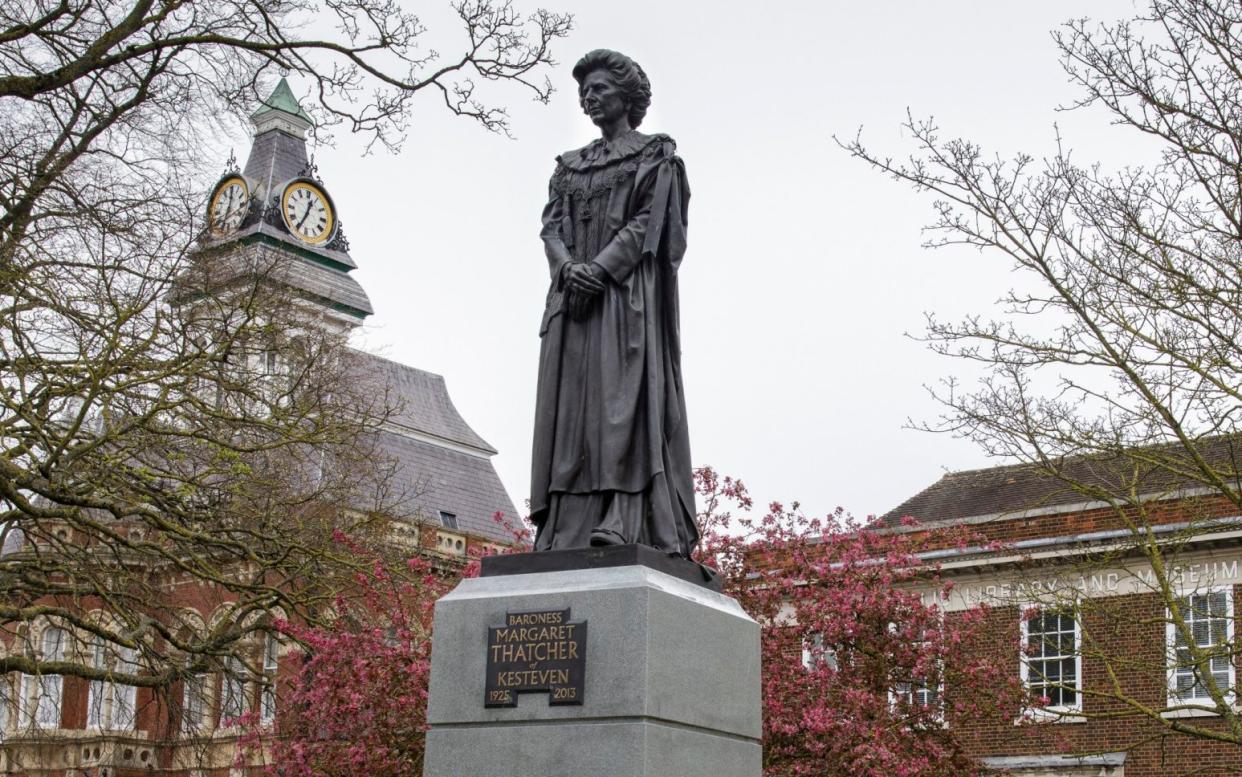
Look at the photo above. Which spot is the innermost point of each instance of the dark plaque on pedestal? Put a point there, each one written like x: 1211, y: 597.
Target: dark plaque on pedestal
x: 536, y: 652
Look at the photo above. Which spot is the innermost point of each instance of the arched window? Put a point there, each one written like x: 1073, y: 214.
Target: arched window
x: 110, y: 706
x: 42, y: 693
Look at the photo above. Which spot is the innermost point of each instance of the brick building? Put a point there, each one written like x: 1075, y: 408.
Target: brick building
x: 274, y: 212
x: 1096, y: 595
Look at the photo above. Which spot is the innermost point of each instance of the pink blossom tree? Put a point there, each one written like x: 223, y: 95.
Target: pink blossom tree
x: 861, y: 673
x: 355, y: 700
x: 862, y: 668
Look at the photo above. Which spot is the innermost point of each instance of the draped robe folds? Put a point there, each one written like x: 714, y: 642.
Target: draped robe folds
x: 611, y: 450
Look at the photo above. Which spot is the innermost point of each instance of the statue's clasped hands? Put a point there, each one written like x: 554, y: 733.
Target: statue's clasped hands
x: 584, y: 279
x: 582, y: 284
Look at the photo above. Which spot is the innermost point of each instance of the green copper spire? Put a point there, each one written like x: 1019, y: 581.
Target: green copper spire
x: 282, y: 99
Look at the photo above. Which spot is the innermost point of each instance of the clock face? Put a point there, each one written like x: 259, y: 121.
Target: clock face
x: 307, y: 212
x: 229, y: 205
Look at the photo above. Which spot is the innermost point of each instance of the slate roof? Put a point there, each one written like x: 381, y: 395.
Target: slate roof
x: 1000, y: 491
x: 275, y: 157
x: 316, y: 279
x: 435, y: 478
x: 306, y: 278
x: 425, y: 405
x: 442, y: 464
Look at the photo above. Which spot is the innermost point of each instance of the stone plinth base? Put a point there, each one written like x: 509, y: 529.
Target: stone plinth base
x: 671, y: 685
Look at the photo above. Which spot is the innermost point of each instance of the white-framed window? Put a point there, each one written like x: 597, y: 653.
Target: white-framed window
x: 111, y: 706
x: 815, y: 654
x: 919, y: 693
x: 926, y: 692
x: 1208, y: 617
x: 267, y: 701
x: 1052, y: 658
x: 233, y: 691
x: 194, y: 703
x: 448, y: 520
x: 41, y: 694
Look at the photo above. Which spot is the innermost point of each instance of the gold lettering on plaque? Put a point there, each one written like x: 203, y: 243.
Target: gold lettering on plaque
x: 536, y: 651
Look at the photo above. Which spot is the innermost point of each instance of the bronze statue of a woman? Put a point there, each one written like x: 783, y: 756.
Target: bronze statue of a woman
x: 611, y: 459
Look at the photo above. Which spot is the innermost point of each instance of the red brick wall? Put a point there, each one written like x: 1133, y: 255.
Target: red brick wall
x: 1128, y: 629
x: 1012, y: 530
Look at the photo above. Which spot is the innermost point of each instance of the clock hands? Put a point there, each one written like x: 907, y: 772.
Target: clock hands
x: 309, y: 205
x: 313, y: 203
x: 227, y: 206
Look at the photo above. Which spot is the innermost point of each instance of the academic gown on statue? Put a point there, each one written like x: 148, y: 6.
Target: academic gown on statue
x: 611, y: 450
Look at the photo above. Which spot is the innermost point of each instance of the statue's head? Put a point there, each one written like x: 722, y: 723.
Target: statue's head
x: 625, y: 73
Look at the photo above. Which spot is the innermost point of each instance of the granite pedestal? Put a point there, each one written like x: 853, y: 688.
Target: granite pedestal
x: 670, y: 685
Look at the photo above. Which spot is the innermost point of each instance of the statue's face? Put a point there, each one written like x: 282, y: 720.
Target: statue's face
x: 601, y: 98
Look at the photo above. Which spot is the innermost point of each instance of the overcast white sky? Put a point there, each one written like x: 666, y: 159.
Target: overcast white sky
x: 804, y: 271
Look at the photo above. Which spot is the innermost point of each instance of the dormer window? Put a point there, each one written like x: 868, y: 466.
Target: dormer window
x: 448, y: 520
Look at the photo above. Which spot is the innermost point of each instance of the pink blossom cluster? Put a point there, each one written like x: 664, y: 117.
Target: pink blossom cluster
x: 356, y: 701
x: 863, y: 670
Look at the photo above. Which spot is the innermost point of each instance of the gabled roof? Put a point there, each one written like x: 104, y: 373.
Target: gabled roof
x: 1010, y: 490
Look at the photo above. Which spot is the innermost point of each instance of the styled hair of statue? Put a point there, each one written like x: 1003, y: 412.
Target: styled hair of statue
x: 627, y: 74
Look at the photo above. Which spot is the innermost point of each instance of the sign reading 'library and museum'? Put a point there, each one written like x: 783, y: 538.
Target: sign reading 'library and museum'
x: 536, y: 652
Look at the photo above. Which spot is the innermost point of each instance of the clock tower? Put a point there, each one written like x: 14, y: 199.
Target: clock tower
x: 276, y: 214
x: 275, y: 222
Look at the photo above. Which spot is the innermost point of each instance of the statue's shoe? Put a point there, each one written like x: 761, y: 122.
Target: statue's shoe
x: 605, y: 538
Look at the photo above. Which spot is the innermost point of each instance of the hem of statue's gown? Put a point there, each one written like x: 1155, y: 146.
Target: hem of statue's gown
x: 656, y: 516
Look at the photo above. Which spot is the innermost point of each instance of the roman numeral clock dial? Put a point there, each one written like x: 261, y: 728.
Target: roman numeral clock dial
x: 308, y: 212
x: 229, y: 204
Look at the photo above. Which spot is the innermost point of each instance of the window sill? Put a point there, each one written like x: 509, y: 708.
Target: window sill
x: 28, y: 732
x: 261, y: 726
x: 75, y: 733
x: 1191, y: 712
x: 1056, y: 716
